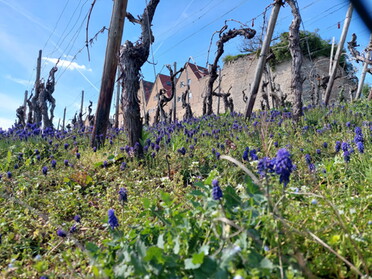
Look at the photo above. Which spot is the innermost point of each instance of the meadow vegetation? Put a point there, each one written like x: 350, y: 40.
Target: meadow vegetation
x: 296, y: 204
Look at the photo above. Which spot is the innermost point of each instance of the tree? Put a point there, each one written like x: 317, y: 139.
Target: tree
x: 223, y: 38
x: 163, y: 99
x: 296, y: 63
x: 132, y: 57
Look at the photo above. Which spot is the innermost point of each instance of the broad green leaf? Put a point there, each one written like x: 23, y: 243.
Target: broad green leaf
x: 176, y: 248
x: 166, y: 197
x: 212, y: 175
x: 190, y: 265
x: 154, y: 253
x: 88, y: 180
x: 266, y: 264
x: 161, y: 241
x: 91, y: 247
x: 197, y: 193
x: 231, y: 198
x: 146, y: 203
x: 198, y: 258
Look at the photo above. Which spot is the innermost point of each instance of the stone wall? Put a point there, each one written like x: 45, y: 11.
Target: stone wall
x: 239, y: 74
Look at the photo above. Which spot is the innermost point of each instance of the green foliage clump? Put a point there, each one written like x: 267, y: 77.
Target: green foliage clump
x: 310, y: 43
x: 229, y: 58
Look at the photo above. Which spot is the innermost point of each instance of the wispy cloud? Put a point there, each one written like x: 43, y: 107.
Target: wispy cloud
x: 15, y: 49
x: 70, y: 65
x: 19, y: 81
x: 18, y: 9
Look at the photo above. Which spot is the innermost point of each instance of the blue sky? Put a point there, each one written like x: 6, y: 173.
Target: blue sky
x: 182, y: 29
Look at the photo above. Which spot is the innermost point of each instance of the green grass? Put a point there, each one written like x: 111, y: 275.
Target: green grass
x: 170, y: 227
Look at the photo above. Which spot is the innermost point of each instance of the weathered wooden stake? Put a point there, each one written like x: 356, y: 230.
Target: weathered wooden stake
x: 219, y: 90
x: 338, y: 55
x: 25, y: 102
x: 364, y: 72
x: 118, y: 91
x: 331, y: 57
x: 81, y: 108
x: 262, y: 59
x: 109, y: 72
x: 175, y: 95
x: 64, y: 118
x: 38, y: 69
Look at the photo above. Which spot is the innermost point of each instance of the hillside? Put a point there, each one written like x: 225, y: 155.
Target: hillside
x: 296, y: 205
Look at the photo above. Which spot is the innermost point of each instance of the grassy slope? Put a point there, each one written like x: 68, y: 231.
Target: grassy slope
x: 333, y: 201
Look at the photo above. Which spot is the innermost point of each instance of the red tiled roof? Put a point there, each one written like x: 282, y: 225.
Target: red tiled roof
x: 198, y: 70
x: 147, y: 87
x: 166, y: 83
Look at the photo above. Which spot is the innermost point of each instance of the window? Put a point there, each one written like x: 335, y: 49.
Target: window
x: 168, y: 83
x: 178, y: 99
x: 182, y: 84
x: 189, y: 81
x: 190, y: 94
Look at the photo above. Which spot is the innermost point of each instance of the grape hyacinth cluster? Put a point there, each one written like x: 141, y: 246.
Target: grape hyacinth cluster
x: 123, y: 195
x: 281, y: 165
x: 359, y: 140
x: 216, y: 190
x: 112, y: 220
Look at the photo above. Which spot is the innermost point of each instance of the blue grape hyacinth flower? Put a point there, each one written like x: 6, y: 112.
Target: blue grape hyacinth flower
x: 77, y: 218
x: 61, y: 233
x: 283, y: 165
x: 265, y: 165
x: 338, y: 146
x: 360, y: 146
x: 123, y: 195
x: 216, y: 190
x: 112, y: 220
x: 45, y: 170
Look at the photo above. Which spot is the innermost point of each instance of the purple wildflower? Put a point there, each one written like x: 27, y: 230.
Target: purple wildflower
x: 45, y: 170
x: 123, y: 166
x: 9, y: 174
x: 345, y: 146
x: 77, y: 218
x: 216, y: 190
x: 78, y: 155
x: 73, y: 228
x: 61, y: 233
x: 358, y: 135
x: 337, y: 146
x: 245, y: 154
x: 123, y: 195
x: 360, y: 146
x: 265, y: 165
x: 346, y: 156
x: 283, y: 165
x: 253, y: 155
x: 53, y: 163
x: 112, y: 220
x: 182, y: 150
x: 66, y: 162
x: 218, y: 155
